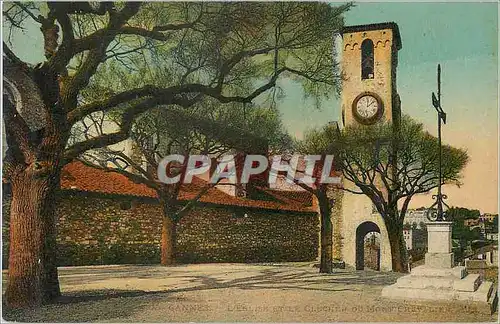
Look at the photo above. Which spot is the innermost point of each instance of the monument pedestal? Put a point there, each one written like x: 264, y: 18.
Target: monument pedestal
x: 438, y: 279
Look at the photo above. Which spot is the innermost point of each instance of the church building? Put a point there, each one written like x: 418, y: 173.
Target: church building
x: 104, y: 218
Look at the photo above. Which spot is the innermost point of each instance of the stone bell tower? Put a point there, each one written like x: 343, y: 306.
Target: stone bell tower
x: 369, y: 62
x: 369, y: 96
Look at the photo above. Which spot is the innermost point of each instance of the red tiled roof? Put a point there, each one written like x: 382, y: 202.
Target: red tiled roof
x: 78, y: 176
x: 303, y: 197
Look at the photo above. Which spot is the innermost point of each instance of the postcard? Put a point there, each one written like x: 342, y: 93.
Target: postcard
x: 250, y: 161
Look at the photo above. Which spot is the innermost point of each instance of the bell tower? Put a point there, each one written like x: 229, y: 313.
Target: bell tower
x: 369, y: 96
x: 369, y: 63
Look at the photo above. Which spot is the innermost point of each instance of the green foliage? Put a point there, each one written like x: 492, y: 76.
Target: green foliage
x: 181, y: 132
x: 409, y: 151
x: 389, y: 163
x: 365, y: 151
x: 319, y: 141
x: 403, y: 159
x: 465, y: 235
x: 291, y: 38
x: 460, y: 214
x: 234, y: 48
x: 459, y: 230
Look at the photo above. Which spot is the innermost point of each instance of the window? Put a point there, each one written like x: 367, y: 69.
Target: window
x: 367, y: 61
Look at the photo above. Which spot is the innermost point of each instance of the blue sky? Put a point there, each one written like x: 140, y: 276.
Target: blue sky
x: 463, y: 38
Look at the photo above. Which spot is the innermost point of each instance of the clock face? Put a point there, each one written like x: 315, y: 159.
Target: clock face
x: 367, y: 108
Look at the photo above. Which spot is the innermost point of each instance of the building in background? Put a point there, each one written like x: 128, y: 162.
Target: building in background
x: 492, y: 237
x: 416, y: 216
x: 488, y: 217
x: 415, y: 237
x: 408, y: 236
x: 471, y: 222
x: 372, y: 251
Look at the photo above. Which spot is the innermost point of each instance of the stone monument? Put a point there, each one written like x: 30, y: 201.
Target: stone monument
x: 439, y: 279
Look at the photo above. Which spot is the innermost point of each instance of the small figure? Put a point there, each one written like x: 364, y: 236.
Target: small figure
x: 410, y: 261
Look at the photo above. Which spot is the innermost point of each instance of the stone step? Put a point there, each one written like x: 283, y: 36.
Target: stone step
x: 485, y: 289
x: 457, y: 272
x: 493, y: 299
x: 422, y: 282
x: 482, y: 294
x: 395, y: 291
x: 470, y: 283
x: 485, y: 298
x: 442, y: 295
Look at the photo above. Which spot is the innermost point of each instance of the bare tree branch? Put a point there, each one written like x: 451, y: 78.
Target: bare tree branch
x: 126, y: 96
x: 136, y: 178
x: 25, y: 9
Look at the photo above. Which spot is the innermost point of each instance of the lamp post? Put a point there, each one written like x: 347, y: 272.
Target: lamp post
x: 439, y: 215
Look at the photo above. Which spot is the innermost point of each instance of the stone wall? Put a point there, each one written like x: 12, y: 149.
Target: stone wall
x: 115, y: 230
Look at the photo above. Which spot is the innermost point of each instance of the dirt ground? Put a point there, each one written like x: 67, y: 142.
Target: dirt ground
x: 292, y: 292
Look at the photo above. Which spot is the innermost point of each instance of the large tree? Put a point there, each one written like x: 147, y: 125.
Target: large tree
x: 209, y: 128
x: 390, y: 164
x: 317, y: 143
x: 206, y: 49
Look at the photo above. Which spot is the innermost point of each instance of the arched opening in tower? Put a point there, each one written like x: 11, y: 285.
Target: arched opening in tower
x: 368, y: 246
x: 367, y: 59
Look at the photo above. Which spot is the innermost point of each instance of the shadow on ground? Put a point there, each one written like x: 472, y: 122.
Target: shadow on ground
x: 86, y: 306
x: 97, y: 305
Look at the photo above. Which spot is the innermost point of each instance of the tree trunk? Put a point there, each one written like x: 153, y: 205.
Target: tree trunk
x: 398, y: 249
x: 168, y: 240
x: 32, y: 275
x: 36, y: 135
x: 51, y: 287
x: 326, y: 261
